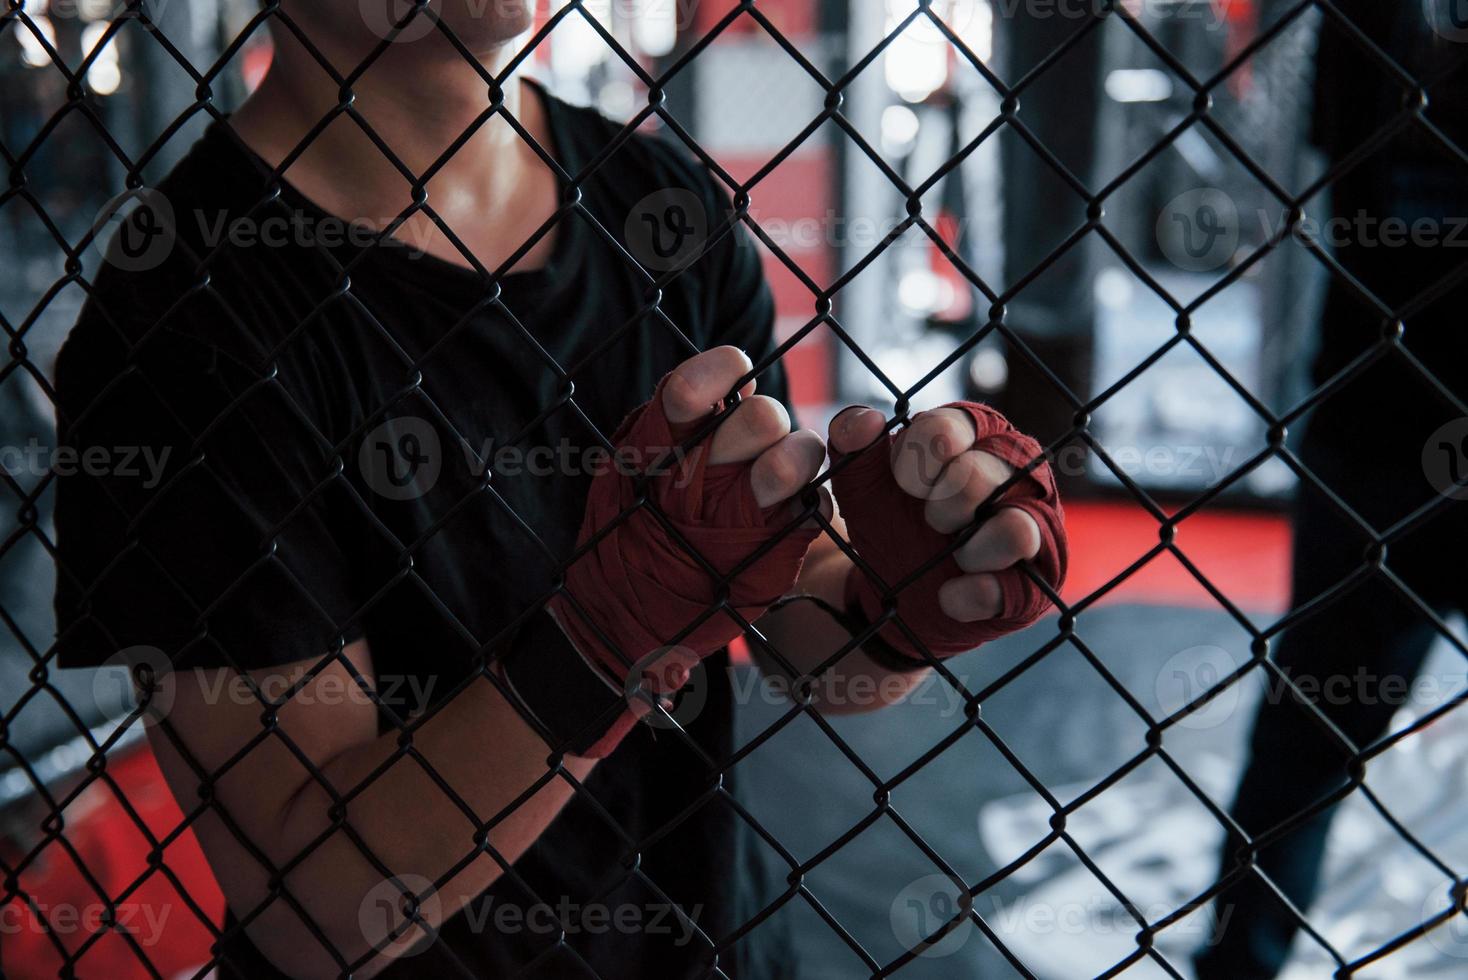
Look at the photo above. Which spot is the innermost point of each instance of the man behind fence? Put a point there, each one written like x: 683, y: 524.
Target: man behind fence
x: 1349, y: 654
x: 378, y: 473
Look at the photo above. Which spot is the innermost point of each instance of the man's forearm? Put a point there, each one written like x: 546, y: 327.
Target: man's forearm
x: 476, y: 745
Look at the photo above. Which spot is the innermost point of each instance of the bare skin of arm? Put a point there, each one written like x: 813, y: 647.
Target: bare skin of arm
x: 402, y: 817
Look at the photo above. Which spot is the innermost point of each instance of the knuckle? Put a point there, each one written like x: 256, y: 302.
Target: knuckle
x: 973, y: 482
x: 937, y: 515
x: 679, y: 397
x: 809, y: 451
x: 763, y: 417
x: 933, y: 435
x: 995, y: 470
x: 1022, y: 534
x: 1016, y: 529
x: 726, y: 365
x: 781, y: 469
x: 971, y: 598
x: 948, y: 432
x: 694, y: 385
x: 924, y: 450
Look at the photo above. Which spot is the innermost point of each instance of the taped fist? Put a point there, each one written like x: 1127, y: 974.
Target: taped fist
x: 906, y: 497
x: 638, y: 588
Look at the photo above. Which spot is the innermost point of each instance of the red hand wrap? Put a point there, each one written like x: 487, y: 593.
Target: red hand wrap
x: 642, y: 588
x: 887, y: 527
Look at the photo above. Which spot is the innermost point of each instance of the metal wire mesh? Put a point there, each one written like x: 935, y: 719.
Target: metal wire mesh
x: 1065, y: 631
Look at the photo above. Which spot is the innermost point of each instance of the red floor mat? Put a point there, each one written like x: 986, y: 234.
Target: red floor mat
x: 100, y: 835
x: 1245, y: 555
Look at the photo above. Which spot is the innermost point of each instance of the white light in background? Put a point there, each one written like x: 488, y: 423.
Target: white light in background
x: 899, y: 129
x: 923, y: 291
x: 915, y: 69
x: 988, y: 370
x: 576, y: 46
x: 1114, y: 289
x: 617, y: 99
x: 105, y: 74
x: 655, y: 26
x: 102, y: 9
x: 979, y: 35
x: 32, y: 52
x: 1139, y: 85
x: 916, y: 62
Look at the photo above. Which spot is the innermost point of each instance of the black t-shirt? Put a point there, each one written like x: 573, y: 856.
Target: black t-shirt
x: 326, y: 406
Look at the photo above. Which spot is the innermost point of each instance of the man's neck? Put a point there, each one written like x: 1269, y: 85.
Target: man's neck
x: 417, y: 109
x: 492, y: 190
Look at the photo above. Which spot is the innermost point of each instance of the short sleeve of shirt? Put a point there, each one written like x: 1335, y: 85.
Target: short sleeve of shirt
x: 194, y: 506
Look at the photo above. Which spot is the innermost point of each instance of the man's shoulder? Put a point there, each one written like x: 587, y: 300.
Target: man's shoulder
x: 626, y: 163
x: 163, y: 275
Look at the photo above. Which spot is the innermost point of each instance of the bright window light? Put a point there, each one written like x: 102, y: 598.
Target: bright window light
x: 1139, y: 85
x: 899, y: 128
x: 655, y: 26
x: 32, y: 52
x: 105, y: 74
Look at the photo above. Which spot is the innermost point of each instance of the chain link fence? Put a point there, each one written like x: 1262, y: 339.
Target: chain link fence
x: 418, y: 442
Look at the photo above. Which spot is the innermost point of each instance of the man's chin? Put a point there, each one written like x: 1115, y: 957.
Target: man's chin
x: 480, y: 23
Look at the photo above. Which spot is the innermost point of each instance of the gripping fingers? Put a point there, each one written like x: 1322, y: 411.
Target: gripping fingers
x: 783, y: 469
x: 756, y: 425
x: 966, y: 482
x: 1008, y: 537
x: 695, y: 388
x: 854, y: 428
x: 971, y: 598
x: 920, y: 453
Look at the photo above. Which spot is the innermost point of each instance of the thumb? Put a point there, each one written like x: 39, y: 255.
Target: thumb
x: 854, y: 428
